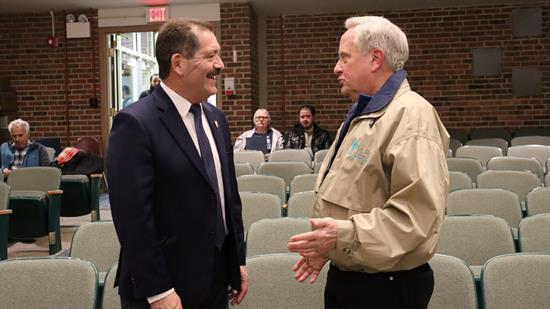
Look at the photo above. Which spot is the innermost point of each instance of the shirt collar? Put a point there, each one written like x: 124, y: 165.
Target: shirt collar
x: 384, y: 96
x: 182, y: 105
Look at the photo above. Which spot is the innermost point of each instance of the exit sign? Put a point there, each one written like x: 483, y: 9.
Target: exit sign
x: 157, y: 14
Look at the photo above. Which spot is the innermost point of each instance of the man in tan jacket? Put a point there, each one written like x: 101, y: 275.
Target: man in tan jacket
x: 382, y: 189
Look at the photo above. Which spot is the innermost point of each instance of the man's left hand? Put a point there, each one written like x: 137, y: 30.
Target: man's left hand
x: 237, y: 297
x: 321, y: 239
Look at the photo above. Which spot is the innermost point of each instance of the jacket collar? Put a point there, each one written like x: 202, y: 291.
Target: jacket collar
x: 385, y: 95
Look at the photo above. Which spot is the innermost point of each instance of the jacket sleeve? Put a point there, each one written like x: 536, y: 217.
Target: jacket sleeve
x: 130, y: 163
x: 412, y: 214
x: 240, y: 143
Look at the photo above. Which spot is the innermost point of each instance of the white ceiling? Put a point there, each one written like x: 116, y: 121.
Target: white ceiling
x: 262, y: 7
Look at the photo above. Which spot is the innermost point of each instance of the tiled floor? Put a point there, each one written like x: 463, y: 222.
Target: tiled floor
x: 68, y: 226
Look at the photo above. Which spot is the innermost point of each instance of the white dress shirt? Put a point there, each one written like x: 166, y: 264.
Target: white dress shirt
x: 183, y: 106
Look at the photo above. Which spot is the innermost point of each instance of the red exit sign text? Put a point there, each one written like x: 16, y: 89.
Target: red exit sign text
x: 157, y: 14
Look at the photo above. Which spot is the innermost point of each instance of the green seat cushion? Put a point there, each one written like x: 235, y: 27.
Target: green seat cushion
x: 30, y: 214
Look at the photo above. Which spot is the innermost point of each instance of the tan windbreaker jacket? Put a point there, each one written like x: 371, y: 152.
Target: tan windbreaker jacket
x: 387, y: 186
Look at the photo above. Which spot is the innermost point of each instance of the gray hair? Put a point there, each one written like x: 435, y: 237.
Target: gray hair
x: 378, y: 32
x: 256, y: 114
x: 19, y: 123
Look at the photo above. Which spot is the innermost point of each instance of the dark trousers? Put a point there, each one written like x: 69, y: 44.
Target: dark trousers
x: 216, y: 298
x: 409, y: 289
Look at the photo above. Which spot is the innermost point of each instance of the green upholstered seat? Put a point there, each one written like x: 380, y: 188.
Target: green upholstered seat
x: 80, y: 195
x: 4, y: 219
x: 35, y: 200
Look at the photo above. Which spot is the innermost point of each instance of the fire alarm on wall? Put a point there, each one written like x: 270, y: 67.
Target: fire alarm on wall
x: 52, y: 41
x: 229, y: 86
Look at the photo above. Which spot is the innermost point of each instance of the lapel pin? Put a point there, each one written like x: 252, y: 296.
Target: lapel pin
x: 216, y: 123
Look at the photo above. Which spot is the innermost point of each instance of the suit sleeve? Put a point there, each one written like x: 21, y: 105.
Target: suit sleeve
x: 131, y: 183
x: 236, y: 205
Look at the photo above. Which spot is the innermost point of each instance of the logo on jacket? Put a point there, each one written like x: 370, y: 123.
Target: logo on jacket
x: 357, y: 152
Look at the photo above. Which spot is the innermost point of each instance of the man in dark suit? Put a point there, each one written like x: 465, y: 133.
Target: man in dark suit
x: 173, y: 192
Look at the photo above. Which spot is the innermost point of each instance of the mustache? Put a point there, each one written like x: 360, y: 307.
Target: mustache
x: 215, y: 72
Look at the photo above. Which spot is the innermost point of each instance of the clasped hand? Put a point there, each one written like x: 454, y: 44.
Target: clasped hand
x: 312, y: 246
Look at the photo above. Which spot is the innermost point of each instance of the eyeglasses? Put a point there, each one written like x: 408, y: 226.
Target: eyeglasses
x: 261, y: 117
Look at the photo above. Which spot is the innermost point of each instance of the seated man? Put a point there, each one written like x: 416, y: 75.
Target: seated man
x: 307, y: 134
x: 262, y: 137
x: 21, y: 152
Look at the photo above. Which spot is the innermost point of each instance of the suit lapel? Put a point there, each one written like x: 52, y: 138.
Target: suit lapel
x: 171, y: 119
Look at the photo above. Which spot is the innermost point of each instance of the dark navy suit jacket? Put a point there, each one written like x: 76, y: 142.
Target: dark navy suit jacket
x: 163, y: 205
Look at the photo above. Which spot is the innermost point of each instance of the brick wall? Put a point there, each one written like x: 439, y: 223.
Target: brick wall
x: 37, y: 72
x: 238, y: 32
x: 302, y: 51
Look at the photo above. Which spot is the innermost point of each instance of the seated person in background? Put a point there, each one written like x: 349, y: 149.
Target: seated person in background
x: 307, y: 134
x: 21, y: 152
x: 126, y: 96
x: 154, y: 81
x: 262, y: 137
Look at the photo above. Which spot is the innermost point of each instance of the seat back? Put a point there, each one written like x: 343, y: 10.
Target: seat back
x: 111, y: 299
x: 454, y: 285
x: 494, y: 142
x: 88, y: 143
x: 516, y: 281
x: 4, y: 195
x: 319, y: 156
x: 301, y: 204
x: 51, y: 153
x: 531, y: 140
x: 49, y: 283
x: 454, y: 144
x: 271, y: 235
x: 257, y: 206
x: 272, y: 284
x: 538, y: 201
x: 532, y: 132
x: 534, y: 233
x: 475, y: 239
x: 516, y: 164
x: 39, y: 178
x: 285, y: 170
x: 497, y: 202
x: 539, y: 152
x: 459, y: 181
x: 243, y: 169
x: 460, y: 135
x: 302, y: 183
x: 254, y: 157
x: 516, y: 181
x: 503, y: 133
x: 291, y: 155
x: 482, y: 153
x: 96, y: 242
x: 472, y: 167
x: 52, y: 142
x: 263, y: 183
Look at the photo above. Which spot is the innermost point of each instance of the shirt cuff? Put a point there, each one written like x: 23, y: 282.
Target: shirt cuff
x: 154, y: 298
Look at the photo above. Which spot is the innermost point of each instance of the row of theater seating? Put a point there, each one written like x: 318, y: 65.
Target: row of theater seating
x: 502, y: 133
x: 34, y: 198
x: 474, y: 247
x: 484, y: 153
